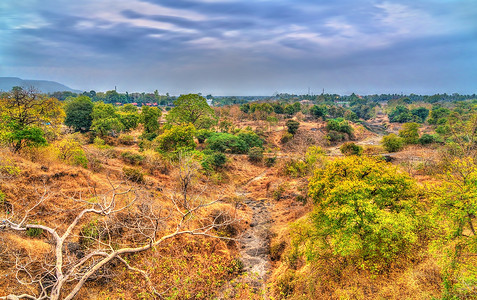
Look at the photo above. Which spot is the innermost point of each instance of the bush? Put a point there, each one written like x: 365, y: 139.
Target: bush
x: 410, y: 133
x: 34, y: 232
x: 365, y: 210
x: 255, y: 154
x: 251, y: 139
x: 339, y: 125
x: 202, y: 135
x: 392, y: 143
x: 426, y: 139
x: 286, y: 138
x: 292, y: 126
x: 132, y: 158
x: 270, y: 161
x: 226, y: 142
x: 351, y: 149
x: 133, y: 174
x: 126, y: 139
x: 335, y: 136
x: 214, y: 161
x: 175, y: 138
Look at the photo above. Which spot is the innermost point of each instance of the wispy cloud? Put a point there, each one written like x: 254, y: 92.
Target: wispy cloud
x: 234, y: 42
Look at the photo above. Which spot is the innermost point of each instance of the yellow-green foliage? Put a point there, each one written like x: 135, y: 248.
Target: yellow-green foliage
x: 365, y: 210
x: 70, y: 151
x: 457, y: 242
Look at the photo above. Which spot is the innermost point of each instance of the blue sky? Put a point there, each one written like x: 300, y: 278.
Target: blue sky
x: 243, y: 47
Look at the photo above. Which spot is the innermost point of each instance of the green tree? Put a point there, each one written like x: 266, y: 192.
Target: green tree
x: 176, y: 138
x: 78, y: 113
x: 392, y: 142
x: 319, y: 111
x: 410, y: 133
x: 455, y: 210
x: 365, y: 210
x: 26, y: 115
x: 150, y: 119
x: 106, y: 120
x: 192, y: 108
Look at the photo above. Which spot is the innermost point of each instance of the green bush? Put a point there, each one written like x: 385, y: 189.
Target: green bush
x: 133, y: 174
x: 292, y: 126
x: 426, y: 139
x: 351, y: 149
x: 175, y: 138
x: 255, y: 154
x: 392, y: 142
x: 202, y: 135
x: 214, y: 161
x: 339, y: 125
x: 226, y: 142
x: 410, y: 133
x: 34, y: 232
x: 335, y: 136
x: 132, y: 158
x: 251, y: 139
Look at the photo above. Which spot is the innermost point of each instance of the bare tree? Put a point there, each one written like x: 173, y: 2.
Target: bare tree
x: 130, y: 223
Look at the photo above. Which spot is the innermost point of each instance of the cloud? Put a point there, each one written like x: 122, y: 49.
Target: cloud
x: 263, y: 45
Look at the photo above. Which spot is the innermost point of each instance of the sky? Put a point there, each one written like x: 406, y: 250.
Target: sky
x: 243, y: 47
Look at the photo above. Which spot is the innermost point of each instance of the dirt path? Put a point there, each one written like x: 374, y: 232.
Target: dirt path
x: 254, y: 246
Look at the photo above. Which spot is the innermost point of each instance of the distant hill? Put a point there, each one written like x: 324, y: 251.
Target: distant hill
x: 43, y: 86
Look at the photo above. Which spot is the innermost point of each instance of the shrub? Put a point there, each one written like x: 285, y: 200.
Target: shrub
x: 335, y: 136
x: 133, y: 174
x: 410, y: 133
x: 365, y: 210
x: 175, y: 138
x: 226, y: 142
x: 251, y: 139
x: 339, y: 125
x: 392, y: 142
x: 126, y: 139
x: 351, y: 149
x: 292, y: 126
x: 70, y: 151
x: 270, y: 161
x: 426, y: 139
x: 202, y: 135
x: 286, y: 138
x: 214, y: 161
x: 132, y: 158
x: 34, y: 232
x: 255, y: 154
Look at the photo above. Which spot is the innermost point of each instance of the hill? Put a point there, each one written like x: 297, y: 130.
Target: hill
x: 44, y: 86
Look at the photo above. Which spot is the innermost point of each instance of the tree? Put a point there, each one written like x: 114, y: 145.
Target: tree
x: 392, y: 142
x: 106, y: 119
x: 319, y: 111
x: 410, y: 133
x: 292, y: 126
x: 25, y: 115
x: 365, y: 210
x: 454, y: 209
x: 176, y: 138
x: 78, y: 113
x: 150, y: 120
x: 192, y: 108
x: 126, y: 223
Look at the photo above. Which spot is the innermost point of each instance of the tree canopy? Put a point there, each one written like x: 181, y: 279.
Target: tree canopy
x: 192, y: 108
